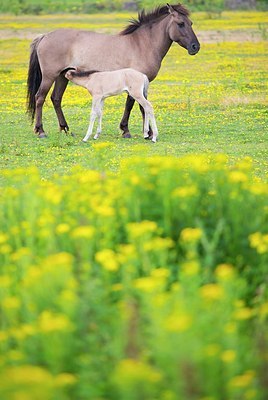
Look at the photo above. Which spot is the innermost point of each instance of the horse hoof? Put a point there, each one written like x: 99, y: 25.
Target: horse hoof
x: 126, y: 135
x: 83, y: 140
x: 41, y: 135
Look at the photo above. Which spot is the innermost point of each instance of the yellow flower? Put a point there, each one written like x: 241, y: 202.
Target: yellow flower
x: 3, y: 237
x: 108, y: 259
x: 11, y: 303
x: 146, y: 284
x: 134, y: 371
x: 50, y: 322
x: 225, y: 272
x: 242, y: 381
x: 62, y: 228
x: 211, y: 291
x: 185, y: 191
x: 65, y: 379
x: 139, y: 229
x: 259, y: 241
x: 190, y: 235
x: 178, y: 322
x: 237, y: 176
x: 83, y: 232
x: 190, y: 268
x: 228, y: 356
x: 243, y: 313
x: 5, y: 281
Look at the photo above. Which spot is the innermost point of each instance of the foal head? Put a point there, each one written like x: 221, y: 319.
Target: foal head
x: 180, y: 29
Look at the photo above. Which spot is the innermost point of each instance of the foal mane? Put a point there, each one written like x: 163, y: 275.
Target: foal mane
x: 146, y: 17
x: 81, y: 74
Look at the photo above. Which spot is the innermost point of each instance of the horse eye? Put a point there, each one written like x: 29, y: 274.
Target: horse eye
x: 181, y: 24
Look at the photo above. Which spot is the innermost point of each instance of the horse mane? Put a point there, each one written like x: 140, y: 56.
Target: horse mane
x: 146, y: 17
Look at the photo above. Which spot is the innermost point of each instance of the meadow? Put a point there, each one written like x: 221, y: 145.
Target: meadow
x: 131, y: 270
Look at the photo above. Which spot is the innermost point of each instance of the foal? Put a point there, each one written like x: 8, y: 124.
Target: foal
x: 110, y: 83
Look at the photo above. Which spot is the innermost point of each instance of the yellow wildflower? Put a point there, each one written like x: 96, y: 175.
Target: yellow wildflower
x: 190, y: 235
x: 65, y: 379
x: 83, y: 232
x: 190, y: 268
x: 139, y: 229
x: 211, y: 291
x: 185, y: 191
x: 62, y: 228
x: 3, y: 237
x: 228, y: 356
x: 178, y: 322
x: 146, y: 284
x: 237, y: 176
x: 242, y: 381
x: 243, y: 313
x: 50, y: 322
x: 130, y: 370
x: 225, y: 272
x: 11, y: 303
x: 108, y: 259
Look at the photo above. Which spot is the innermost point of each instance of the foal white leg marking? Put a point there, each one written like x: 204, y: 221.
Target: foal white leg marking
x: 99, y: 112
x: 93, y: 117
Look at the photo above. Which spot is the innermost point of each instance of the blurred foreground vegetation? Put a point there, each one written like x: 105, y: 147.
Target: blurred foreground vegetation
x: 146, y: 284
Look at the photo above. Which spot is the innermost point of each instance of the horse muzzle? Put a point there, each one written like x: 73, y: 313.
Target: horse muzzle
x: 193, y: 48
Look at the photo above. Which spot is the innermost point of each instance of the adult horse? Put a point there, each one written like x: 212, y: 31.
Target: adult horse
x: 142, y: 45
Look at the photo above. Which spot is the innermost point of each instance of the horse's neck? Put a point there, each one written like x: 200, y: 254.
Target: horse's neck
x: 154, y: 39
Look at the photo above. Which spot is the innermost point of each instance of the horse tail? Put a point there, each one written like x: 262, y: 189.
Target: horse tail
x: 34, y: 77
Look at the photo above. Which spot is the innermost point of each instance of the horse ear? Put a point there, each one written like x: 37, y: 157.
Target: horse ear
x: 170, y: 9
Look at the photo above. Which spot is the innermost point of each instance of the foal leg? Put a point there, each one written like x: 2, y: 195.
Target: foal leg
x: 93, y: 116
x: 148, y: 115
x: 39, y: 102
x: 124, y: 122
x: 150, y: 132
x: 99, y: 113
x: 56, y: 98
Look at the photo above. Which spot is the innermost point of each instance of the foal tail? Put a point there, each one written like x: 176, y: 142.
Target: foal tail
x: 34, y: 77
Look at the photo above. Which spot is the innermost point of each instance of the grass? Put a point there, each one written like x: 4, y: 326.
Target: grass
x: 213, y: 102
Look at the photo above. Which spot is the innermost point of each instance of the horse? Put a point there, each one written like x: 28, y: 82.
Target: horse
x: 110, y: 83
x: 142, y: 45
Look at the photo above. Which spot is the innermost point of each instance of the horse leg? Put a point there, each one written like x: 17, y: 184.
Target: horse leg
x: 56, y: 98
x: 99, y: 113
x: 39, y: 102
x: 124, y: 122
x: 150, y: 132
x: 93, y: 116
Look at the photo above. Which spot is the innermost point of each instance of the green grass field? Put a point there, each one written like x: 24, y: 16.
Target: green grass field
x: 213, y: 102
